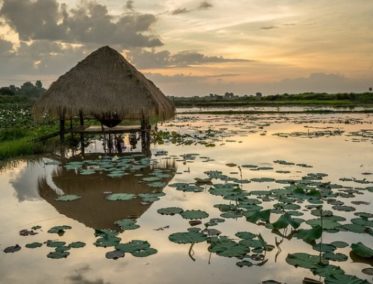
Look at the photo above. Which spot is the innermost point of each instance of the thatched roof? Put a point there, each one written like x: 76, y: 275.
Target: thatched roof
x: 104, y: 84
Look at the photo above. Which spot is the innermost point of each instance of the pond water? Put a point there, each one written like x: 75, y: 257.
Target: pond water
x: 271, y: 109
x: 245, y: 170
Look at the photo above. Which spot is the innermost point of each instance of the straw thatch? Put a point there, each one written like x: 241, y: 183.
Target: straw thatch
x: 104, y: 84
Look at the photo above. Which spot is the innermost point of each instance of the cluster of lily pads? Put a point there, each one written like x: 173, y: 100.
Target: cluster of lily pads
x: 105, y: 238
x: 198, y: 134
x: 116, y: 167
x: 310, y: 193
x: 60, y: 248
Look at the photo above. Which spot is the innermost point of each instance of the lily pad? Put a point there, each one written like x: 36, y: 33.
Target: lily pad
x: 68, y: 197
x: 12, y: 249
x: 170, y: 211
x: 362, y: 250
x: 335, y: 256
x: 127, y: 224
x: 244, y: 263
x: 76, y: 245
x: 194, y: 214
x: 115, y: 254
x: 58, y: 254
x: 59, y: 230
x: 187, y: 237
x: 120, y: 196
x: 309, y: 236
x: 33, y: 245
x: 304, y: 260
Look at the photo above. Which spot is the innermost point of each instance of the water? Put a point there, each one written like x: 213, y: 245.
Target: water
x: 332, y: 144
x: 270, y: 109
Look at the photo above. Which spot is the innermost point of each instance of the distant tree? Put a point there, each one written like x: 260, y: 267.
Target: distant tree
x: 38, y: 84
x: 258, y: 94
x: 7, y: 91
x: 370, y: 89
x: 228, y: 95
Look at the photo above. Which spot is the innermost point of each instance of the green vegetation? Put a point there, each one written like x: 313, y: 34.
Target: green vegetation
x: 306, y: 99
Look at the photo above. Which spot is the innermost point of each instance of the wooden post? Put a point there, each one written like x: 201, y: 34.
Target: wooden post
x: 81, y: 118
x: 62, y: 128
x: 145, y: 136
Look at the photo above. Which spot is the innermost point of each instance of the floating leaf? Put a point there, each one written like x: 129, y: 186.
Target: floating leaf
x: 304, y: 260
x: 55, y: 244
x: 120, y: 196
x: 339, y: 244
x: 170, y: 211
x: 68, y: 197
x: 194, y: 214
x: 362, y: 250
x: 244, y: 263
x: 59, y: 230
x: 58, y: 254
x: 335, y: 256
x: 259, y: 215
x: 33, y: 245
x: 12, y: 249
x: 114, y: 254
x: 137, y: 248
x: 309, y: 236
x: 187, y: 237
x: 76, y: 245
x: 127, y: 224
x: 345, y: 279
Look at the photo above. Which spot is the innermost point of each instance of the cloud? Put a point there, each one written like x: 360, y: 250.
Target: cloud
x: 204, y: 5
x: 180, y: 11
x: 79, y: 277
x: 129, y: 5
x: 38, y: 58
x: 158, y: 59
x: 88, y: 23
x: 268, y: 27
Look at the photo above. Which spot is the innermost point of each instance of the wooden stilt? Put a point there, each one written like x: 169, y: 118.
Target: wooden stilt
x: 81, y: 118
x: 62, y: 129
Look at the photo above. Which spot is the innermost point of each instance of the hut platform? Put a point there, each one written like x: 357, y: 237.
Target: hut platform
x: 97, y: 129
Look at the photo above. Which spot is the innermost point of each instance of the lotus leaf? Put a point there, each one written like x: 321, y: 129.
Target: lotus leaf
x: 304, y: 260
x: 127, y: 224
x: 76, y: 245
x: 170, y: 211
x: 115, y: 254
x: 120, y: 196
x: 34, y: 245
x: 187, y: 237
x: 194, y: 214
x: 362, y: 250
x: 68, y: 197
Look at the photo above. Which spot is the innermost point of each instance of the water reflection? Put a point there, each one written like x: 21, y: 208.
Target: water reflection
x: 25, y: 179
x: 92, y: 209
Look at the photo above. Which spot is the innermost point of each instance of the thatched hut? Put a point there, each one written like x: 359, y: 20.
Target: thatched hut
x: 105, y: 86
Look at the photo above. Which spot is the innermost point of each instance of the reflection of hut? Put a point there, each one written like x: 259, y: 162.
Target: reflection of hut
x: 104, y: 86
x: 92, y: 209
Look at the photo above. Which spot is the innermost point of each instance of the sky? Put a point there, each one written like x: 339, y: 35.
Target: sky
x: 194, y: 47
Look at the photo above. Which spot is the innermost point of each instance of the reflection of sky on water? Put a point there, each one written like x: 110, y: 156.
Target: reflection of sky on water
x: 338, y: 156
x: 26, y: 181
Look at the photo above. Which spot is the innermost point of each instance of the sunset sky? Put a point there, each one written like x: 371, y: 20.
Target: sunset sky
x: 192, y: 47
